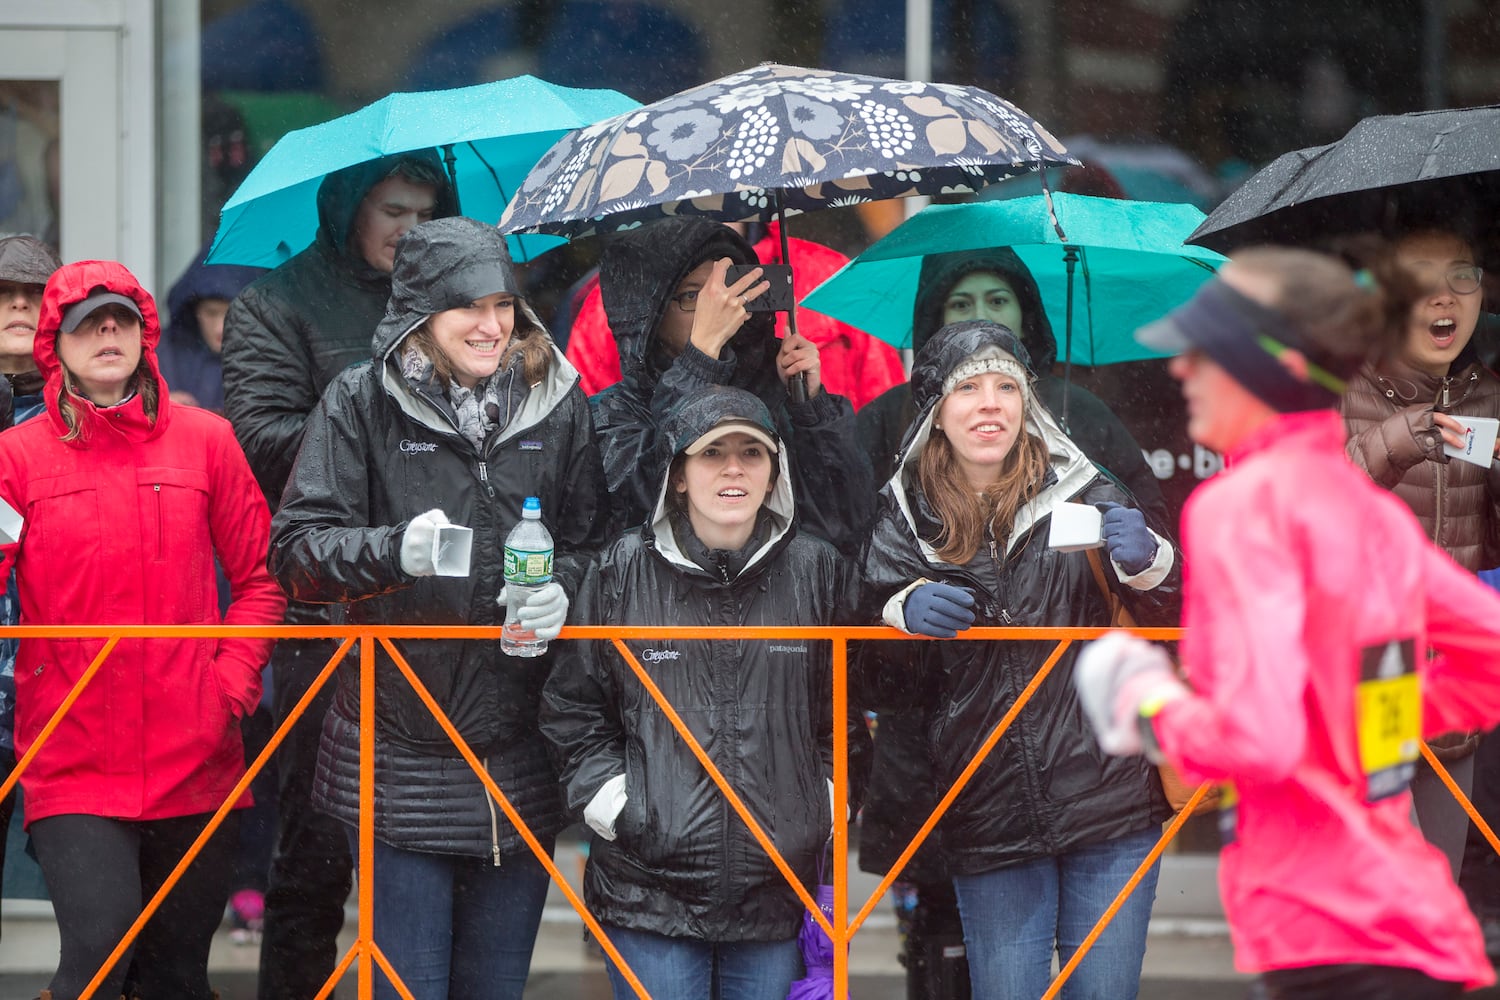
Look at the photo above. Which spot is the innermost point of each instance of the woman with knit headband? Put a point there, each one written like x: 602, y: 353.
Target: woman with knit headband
x: 1049, y: 828
x: 1325, y: 636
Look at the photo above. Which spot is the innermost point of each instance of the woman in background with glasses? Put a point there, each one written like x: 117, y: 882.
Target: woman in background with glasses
x: 1399, y: 415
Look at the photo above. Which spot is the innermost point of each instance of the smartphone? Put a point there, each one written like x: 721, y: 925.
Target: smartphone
x: 777, y: 298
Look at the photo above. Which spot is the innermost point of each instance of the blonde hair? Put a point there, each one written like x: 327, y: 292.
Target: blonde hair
x: 965, y: 515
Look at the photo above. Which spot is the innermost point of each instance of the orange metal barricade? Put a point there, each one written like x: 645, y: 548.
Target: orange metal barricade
x: 364, y: 951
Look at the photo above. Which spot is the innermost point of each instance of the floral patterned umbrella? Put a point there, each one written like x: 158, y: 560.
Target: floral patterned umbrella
x: 773, y: 137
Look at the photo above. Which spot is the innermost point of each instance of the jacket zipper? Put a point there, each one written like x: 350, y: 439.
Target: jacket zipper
x: 1439, y: 480
x: 995, y: 560
x: 494, y: 819
x: 484, y: 478
x: 160, y: 553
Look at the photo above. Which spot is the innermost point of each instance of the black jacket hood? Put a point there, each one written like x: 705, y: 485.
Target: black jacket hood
x: 641, y: 269
x: 444, y: 264
x: 941, y: 271
x: 948, y: 347
x: 342, y: 191
x: 700, y: 412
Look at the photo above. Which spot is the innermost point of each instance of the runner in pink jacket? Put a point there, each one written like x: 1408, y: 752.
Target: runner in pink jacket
x: 1324, y: 635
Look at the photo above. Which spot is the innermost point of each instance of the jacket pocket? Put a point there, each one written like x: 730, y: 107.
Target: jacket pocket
x: 174, y: 518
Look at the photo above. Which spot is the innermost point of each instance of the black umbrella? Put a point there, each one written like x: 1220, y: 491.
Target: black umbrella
x: 1388, y: 173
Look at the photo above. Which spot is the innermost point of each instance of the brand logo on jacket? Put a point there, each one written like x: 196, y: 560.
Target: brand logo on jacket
x: 774, y: 648
x: 531, y: 446
x: 657, y: 655
x: 408, y: 446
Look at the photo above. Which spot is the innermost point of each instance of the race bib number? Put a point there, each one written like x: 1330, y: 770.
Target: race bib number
x: 1388, y: 715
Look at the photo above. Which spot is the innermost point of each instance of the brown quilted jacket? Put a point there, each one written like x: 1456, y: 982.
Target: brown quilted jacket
x: 1392, y: 437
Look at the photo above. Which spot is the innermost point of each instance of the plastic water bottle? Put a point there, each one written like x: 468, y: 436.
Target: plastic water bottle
x: 528, y: 565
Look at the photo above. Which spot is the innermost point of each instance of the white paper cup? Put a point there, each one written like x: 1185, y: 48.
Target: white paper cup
x: 1076, y: 526
x: 451, y: 546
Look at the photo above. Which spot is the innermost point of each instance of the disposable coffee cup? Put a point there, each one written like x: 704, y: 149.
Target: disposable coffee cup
x: 10, y: 524
x: 1075, y: 527
x: 451, y: 546
x: 1479, y: 440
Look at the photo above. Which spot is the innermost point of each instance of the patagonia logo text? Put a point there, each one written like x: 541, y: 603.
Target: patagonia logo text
x: 410, y: 446
x: 531, y: 446
x: 786, y: 649
x: 657, y: 655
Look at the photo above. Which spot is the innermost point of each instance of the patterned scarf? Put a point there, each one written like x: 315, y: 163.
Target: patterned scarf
x: 476, y: 411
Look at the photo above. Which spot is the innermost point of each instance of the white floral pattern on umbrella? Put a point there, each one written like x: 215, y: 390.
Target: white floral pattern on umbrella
x: 818, y: 137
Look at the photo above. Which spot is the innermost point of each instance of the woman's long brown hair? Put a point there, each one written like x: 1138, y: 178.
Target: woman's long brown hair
x: 526, y: 339
x: 67, y: 409
x: 966, y: 517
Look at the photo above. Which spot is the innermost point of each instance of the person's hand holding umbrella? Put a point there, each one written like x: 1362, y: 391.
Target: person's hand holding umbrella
x: 799, y: 356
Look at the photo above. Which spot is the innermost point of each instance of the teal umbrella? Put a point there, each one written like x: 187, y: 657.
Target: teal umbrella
x: 489, y: 136
x: 1104, y: 268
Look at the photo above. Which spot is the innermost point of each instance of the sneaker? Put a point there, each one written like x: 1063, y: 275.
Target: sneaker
x: 247, y: 911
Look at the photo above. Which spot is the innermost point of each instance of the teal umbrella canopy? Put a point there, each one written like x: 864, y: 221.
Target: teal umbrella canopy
x: 1130, y: 267
x: 497, y: 131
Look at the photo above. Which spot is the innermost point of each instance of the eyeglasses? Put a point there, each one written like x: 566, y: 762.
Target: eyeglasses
x: 686, y: 301
x: 1464, y: 280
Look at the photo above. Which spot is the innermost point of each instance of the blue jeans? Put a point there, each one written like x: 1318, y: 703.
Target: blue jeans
x: 455, y: 926
x: 688, y: 969
x: 1016, y: 917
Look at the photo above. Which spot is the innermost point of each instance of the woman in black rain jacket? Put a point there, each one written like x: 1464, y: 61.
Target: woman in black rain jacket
x: 1049, y: 827
x: 674, y: 873
x: 654, y: 287
x: 466, y: 409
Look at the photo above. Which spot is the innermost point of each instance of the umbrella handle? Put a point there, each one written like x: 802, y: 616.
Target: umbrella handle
x: 796, y: 386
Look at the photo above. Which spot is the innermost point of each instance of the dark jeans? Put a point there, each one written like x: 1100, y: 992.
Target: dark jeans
x: 689, y: 969
x: 456, y: 927
x: 311, y: 871
x: 1481, y: 871
x: 258, y: 823
x: 1355, y: 982
x: 100, y: 874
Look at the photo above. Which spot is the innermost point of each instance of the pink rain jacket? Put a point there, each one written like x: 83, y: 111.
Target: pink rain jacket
x: 1294, y: 561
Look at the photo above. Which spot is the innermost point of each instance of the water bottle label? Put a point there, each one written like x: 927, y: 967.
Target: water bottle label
x: 527, y: 568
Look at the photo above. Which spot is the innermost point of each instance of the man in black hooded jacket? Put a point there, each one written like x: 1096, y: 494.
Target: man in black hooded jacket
x: 285, y: 338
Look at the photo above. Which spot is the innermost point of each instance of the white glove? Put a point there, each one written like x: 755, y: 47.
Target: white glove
x: 416, y: 543
x: 1115, y: 675
x: 544, y: 612
x: 605, y: 807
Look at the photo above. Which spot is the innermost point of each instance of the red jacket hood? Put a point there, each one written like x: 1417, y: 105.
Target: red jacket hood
x: 73, y: 283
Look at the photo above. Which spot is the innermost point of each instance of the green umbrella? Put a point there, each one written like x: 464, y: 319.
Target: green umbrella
x: 1105, y: 268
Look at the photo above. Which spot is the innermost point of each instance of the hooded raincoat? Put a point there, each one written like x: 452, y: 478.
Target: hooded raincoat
x: 380, y: 450
x: 1093, y: 426
x: 288, y: 334
x: 187, y: 362
x: 137, y: 510
x: 683, y: 863
x: 1047, y: 787
x: 1298, y: 565
x: 638, y: 274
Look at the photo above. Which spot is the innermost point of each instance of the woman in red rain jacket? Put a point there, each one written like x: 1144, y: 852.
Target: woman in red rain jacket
x: 127, y: 501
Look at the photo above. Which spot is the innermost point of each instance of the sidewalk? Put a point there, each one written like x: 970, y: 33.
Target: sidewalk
x: 1188, y: 955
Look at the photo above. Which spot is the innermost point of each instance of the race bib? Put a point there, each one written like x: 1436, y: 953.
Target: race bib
x: 1388, y: 715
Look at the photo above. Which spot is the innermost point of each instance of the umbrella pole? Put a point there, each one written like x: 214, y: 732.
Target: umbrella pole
x: 1070, y: 258
x: 796, y: 386
x: 451, y: 163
